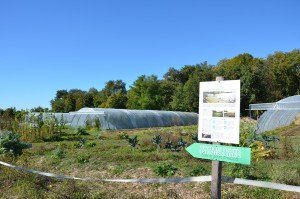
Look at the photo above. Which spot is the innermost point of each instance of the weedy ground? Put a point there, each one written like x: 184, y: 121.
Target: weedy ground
x: 107, y: 154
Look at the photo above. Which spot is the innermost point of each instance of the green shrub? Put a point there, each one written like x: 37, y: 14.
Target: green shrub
x: 99, y: 136
x: 157, y: 140
x: 247, y: 135
x: 10, y: 144
x: 133, y: 142
x: 63, y: 145
x: 58, y: 153
x: 199, y: 171
x: 88, y: 124
x: 76, y: 145
x: 180, y: 145
x: 169, y: 145
x: 82, y: 142
x: 90, y: 144
x: 81, y: 131
x: 97, y: 123
x: 82, y: 160
x: 123, y: 136
x: 165, y: 170
x: 54, y: 137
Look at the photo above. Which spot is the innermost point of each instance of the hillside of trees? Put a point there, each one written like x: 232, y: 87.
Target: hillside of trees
x: 262, y: 80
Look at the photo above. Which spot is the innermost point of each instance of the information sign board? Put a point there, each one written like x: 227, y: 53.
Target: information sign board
x: 219, y: 111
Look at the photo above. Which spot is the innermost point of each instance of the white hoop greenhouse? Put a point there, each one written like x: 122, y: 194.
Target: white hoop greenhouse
x: 279, y: 114
x: 112, y: 119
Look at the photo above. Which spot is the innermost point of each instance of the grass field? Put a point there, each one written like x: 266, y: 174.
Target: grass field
x: 107, y: 154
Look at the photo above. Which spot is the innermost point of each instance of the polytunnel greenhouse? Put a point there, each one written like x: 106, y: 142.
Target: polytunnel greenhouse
x: 279, y: 114
x: 113, y: 119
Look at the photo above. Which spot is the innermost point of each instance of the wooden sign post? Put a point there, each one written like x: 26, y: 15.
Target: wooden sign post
x: 216, y: 178
x: 216, y: 170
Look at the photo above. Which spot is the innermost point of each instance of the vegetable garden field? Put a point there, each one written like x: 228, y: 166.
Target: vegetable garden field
x: 144, y: 154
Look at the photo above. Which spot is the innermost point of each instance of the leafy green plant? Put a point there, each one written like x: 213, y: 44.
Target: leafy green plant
x: 58, y: 153
x: 169, y: 145
x: 91, y: 144
x: 180, y: 145
x: 259, y: 151
x: 63, y: 145
x: 40, y: 121
x: 88, y: 123
x: 157, y: 140
x: 81, y: 131
x: 195, y: 137
x: 198, y: 171
x: 259, y: 143
x: 97, y: 123
x: 247, y: 134
x: 99, y: 136
x: 133, y: 142
x: 268, y: 139
x: 76, y: 145
x: 10, y: 144
x: 82, y: 159
x: 165, y: 170
x: 61, y: 123
x: 123, y: 136
x: 82, y: 142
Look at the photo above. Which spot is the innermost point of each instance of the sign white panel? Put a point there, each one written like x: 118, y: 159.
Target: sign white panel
x: 219, y: 111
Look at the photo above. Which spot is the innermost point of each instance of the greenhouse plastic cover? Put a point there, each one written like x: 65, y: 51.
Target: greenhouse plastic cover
x: 112, y: 119
x: 279, y: 114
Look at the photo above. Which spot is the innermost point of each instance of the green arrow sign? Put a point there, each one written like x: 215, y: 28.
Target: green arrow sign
x: 233, y: 154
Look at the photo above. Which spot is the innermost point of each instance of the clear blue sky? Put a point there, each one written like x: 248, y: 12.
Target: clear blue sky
x: 50, y: 45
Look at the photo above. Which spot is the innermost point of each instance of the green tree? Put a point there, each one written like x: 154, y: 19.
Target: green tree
x: 203, y: 72
x: 77, y: 97
x: 178, y: 102
x: 58, y: 104
x: 10, y: 144
x: 37, y: 109
x: 254, y: 87
x: 145, y: 93
x: 251, y: 72
x: 285, y: 74
x: 117, y: 100
x: 186, y: 98
x: 88, y: 100
x: 167, y: 89
x: 105, y: 97
x: 180, y: 76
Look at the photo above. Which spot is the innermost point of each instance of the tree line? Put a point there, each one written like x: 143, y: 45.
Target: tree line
x: 262, y: 80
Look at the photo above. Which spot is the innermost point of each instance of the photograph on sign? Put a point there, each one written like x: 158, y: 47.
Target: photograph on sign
x: 219, y: 111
